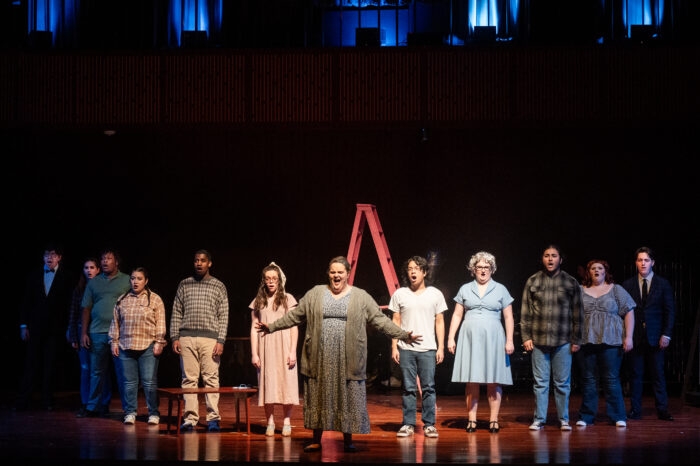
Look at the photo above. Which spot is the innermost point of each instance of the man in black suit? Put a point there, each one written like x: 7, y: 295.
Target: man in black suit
x: 653, y: 325
x: 43, y: 320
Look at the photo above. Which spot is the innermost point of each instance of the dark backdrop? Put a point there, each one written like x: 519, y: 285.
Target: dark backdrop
x: 288, y: 194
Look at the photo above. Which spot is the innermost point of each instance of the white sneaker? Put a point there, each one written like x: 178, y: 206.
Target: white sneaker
x: 130, y: 419
x: 536, y: 425
x: 405, y: 431
x: 153, y: 420
x: 581, y: 423
x: 270, y: 431
x: 565, y: 426
x: 430, y: 431
x: 620, y: 424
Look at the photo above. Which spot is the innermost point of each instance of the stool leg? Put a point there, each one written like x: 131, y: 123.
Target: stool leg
x: 170, y: 411
x: 179, y: 414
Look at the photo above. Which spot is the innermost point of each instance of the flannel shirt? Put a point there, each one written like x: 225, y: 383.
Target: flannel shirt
x: 200, y: 309
x: 138, y: 323
x: 551, y: 310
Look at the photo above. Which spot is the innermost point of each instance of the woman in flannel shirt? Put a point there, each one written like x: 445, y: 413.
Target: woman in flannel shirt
x: 137, y: 336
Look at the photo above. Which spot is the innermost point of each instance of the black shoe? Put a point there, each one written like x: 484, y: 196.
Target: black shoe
x: 471, y: 426
x: 349, y: 448
x: 665, y: 416
x: 87, y: 413
x: 494, y: 427
x: 635, y: 415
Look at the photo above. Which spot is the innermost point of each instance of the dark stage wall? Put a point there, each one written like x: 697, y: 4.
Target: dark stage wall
x: 262, y: 155
x: 289, y: 194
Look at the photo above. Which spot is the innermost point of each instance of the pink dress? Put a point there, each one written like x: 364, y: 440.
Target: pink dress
x: 277, y: 383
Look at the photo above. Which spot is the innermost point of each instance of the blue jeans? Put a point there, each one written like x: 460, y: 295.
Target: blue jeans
x: 84, y: 357
x: 554, y: 361
x: 100, y: 354
x: 145, y: 364
x: 421, y: 364
x: 607, y: 360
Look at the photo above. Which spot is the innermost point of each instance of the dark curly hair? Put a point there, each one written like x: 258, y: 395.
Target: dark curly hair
x: 422, y: 263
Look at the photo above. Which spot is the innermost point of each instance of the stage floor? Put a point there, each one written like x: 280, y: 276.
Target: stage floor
x: 58, y: 436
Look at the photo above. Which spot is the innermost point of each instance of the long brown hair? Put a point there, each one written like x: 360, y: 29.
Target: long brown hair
x: 82, y: 281
x: 280, y: 294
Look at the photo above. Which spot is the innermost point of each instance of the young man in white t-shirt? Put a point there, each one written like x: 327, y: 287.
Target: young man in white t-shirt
x: 419, y: 308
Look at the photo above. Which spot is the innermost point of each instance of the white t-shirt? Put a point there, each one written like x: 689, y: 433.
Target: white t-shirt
x: 418, y: 313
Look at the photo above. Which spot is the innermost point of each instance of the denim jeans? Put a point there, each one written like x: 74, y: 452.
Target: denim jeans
x: 145, y: 364
x: 100, y: 354
x: 421, y: 364
x: 84, y: 358
x: 607, y: 360
x: 554, y: 361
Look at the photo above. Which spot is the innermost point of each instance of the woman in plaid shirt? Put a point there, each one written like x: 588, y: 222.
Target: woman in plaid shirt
x: 137, y: 336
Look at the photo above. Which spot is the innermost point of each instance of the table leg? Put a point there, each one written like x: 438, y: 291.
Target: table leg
x: 247, y: 419
x: 238, y: 414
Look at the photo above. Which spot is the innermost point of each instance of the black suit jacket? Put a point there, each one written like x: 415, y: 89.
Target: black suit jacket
x: 658, y: 311
x: 46, y: 315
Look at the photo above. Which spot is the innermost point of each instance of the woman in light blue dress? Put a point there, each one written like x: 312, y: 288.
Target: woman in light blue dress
x: 481, y: 354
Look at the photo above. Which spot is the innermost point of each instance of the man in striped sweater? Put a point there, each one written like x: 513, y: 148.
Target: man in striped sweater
x: 198, y: 331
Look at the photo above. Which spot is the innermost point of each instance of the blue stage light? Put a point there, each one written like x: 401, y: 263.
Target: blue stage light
x: 642, y: 13
x: 194, y: 15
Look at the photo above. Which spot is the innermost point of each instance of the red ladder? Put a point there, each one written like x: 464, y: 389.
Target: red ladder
x: 367, y: 213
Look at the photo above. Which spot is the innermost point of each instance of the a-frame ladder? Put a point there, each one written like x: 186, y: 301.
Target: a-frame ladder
x: 367, y: 214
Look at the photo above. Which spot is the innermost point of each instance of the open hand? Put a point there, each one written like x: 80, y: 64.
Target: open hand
x: 412, y: 339
x: 262, y: 328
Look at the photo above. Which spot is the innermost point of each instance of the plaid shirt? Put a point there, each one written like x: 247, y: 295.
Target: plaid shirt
x: 138, y: 323
x: 200, y: 309
x: 551, y: 310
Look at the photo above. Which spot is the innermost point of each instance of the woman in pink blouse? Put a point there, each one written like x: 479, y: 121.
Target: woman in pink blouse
x: 137, y: 336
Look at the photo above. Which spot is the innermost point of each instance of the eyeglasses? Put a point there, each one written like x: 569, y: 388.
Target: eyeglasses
x: 272, y: 280
x: 483, y: 267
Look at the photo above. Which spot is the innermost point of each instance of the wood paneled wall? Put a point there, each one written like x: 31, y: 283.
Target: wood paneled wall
x: 442, y: 86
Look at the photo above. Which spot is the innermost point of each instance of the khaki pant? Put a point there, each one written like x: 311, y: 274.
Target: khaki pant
x: 195, y: 359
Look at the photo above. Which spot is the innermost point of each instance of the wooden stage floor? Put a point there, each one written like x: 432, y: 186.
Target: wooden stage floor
x: 58, y: 436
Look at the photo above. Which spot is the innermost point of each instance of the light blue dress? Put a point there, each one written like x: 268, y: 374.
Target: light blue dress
x: 481, y: 356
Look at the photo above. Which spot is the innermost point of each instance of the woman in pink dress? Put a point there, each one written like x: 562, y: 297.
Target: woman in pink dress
x: 274, y: 355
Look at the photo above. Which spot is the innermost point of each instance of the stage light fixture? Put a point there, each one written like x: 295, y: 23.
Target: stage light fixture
x: 643, y: 33
x: 369, y: 37
x: 484, y: 34
x: 194, y: 39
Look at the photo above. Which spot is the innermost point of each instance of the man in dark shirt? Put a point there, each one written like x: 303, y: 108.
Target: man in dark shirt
x: 653, y: 326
